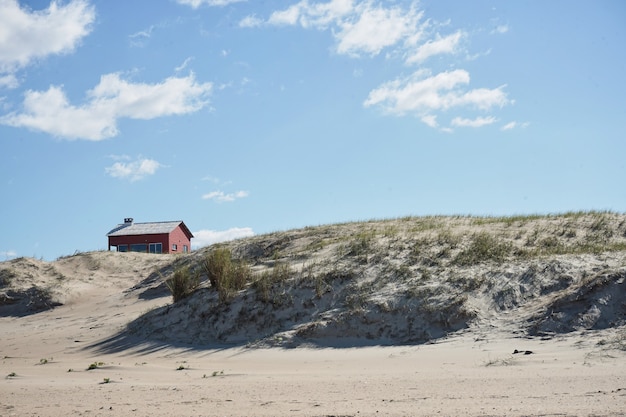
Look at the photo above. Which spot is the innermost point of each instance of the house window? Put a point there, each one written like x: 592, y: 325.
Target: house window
x: 122, y: 248
x: 174, y: 246
x: 156, y: 248
x: 139, y: 247
x: 185, y: 249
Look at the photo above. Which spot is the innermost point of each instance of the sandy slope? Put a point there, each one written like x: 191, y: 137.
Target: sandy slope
x: 543, y: 307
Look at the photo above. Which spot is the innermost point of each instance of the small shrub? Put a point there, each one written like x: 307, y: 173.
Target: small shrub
x: 106, y: 380
x: 6, y: 276
x: 225, y: 275
x: 216, y: 265
x: 483, y: 248
x: 361, y: 244
x: 262, y: 285
x: 182, y: 283
x: 94, y: 365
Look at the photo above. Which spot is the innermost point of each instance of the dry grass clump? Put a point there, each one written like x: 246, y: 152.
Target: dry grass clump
x: 482, y: 248
x: 225, y: 274
x: 265, y: 281
x: 182, y: 283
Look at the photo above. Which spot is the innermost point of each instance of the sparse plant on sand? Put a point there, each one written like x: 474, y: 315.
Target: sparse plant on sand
x: 94, y: 365
x: 508, y: 361
x: 11, y: 375
x: 106, y: 380
x: 182, y: 283
x: 264, y: 282
x: 226, y: 275
x: 483, y: 248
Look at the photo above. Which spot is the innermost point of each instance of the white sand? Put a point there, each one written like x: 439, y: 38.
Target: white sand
x: 457, y: 376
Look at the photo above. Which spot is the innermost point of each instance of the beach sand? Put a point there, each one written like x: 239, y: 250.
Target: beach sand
x: 46, y: 356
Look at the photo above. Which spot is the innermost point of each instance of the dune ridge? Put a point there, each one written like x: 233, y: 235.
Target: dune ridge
x: 351, y: 319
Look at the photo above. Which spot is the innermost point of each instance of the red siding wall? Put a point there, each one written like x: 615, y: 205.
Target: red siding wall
x: 177, y: 237
x: 134, y: 239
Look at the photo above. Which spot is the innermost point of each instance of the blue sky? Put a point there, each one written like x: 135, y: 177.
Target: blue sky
x: 246, y: 117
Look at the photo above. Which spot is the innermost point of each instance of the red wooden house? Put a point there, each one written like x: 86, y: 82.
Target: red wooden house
x: 156, y: 237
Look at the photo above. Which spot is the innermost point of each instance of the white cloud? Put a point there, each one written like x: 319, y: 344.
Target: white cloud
x: 197, y: 3
x: 317, y: 15
x: 208, y: 237
x: 429, y: 120
x: 446, y: 45
x: 500, y: 29
x: 423, y: 95
x: 358, y: 27
x: 250, y: 22
x: 477, y: 122
x: 9, y: 81
x: 113, y: 98
x: 140, y: 38
x: 9, y: 254
x: 363, y: 27
x: 222, y: 197
x: 376, y: 28
x: 26, y: 35
x: 183, y: 65
x: 133, y: 171
x: 514, y: 125
x: 289, y: 16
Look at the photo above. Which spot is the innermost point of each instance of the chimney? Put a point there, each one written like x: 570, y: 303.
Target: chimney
x: 128, y: 220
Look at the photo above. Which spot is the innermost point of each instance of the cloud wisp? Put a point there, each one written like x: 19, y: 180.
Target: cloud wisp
x: 222, y: 197
x: 205, y: 237
x: 134, y: 170
x: 112, y: 99
x: 8, y: 254
x: 423, y: 93
x: 514, y: 125
x: 194, y: 4
x: 28, y: 35
x: 477, y: 122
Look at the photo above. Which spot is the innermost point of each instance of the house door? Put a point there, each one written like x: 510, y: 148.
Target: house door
x: 156, y: 248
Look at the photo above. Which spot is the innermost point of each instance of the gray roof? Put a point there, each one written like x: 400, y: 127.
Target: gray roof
x: 154, y: 228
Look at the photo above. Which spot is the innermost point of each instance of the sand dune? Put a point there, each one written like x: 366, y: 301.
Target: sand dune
x: 399, y: 317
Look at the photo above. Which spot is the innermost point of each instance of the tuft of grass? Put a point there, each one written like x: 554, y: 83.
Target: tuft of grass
x: 106, y: 380
x: 508, y: 361
x: 225, y: 274
x: 6, y: 277
x: 483, y: 248
x: 94, y: 365
x: 11, y: 375
x: 265, y: 281
x: 182, y: 283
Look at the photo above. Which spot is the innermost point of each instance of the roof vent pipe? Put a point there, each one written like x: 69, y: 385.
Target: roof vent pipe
x: 128, y: 220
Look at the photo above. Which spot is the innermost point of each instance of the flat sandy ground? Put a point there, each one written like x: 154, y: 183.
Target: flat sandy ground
x: 45, y: 357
